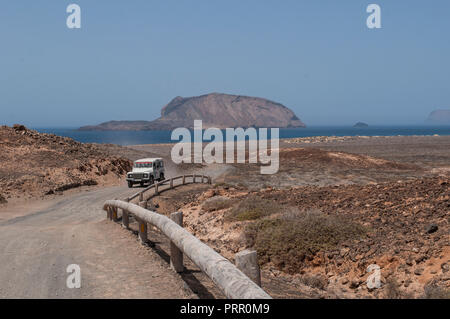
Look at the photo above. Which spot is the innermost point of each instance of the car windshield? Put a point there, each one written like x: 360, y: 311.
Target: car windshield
x: 143, y: 165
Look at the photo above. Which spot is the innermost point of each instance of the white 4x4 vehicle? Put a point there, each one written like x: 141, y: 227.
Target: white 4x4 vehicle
x: 146, y: 170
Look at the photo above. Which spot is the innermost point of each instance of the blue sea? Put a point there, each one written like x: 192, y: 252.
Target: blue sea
x: 162, y: 137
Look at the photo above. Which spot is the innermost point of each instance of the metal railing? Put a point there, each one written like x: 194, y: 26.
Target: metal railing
x: 232, y: 281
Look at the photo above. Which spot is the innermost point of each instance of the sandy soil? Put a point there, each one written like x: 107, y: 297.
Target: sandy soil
x: 36, y: 248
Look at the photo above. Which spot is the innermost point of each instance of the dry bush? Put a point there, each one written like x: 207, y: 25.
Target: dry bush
x: 253, y: 207
x: 392, y: 290
x: 433, y: 291
x: 314, y: 281
x: 217, y: 203
x: 287, y: 240
x: 3, y: 200
x: 222, y: 185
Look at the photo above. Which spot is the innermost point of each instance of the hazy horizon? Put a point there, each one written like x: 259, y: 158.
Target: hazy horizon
x: 128, y: 60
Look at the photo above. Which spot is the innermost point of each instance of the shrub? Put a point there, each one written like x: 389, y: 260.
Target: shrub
x: 433, y: 291
x: 314, y: 281
x: 392, y: 290
x: 217, y: 203
x: 253, y: 207
x: 287, y: 240
x: 222, y: 185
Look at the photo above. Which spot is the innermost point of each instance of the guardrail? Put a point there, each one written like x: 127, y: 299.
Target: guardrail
x: 171, y: 182
x: 232, y: 281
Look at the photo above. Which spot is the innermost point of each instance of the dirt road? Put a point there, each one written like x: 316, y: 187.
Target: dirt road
x: 36, y: 248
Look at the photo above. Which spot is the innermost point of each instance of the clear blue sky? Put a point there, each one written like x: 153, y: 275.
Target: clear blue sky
x: 130, y: 58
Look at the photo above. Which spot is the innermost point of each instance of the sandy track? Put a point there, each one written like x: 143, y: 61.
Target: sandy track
x: 35, y: 250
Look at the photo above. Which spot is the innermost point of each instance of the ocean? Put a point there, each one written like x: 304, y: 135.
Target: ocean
x: 162, y: 137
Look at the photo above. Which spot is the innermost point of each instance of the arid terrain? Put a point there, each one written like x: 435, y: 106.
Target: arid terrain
x: 337, y: 206
x: 35, y: 164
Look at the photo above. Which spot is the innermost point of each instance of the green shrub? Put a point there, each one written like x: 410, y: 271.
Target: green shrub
x: 287, y: 240
x: 252, y: 208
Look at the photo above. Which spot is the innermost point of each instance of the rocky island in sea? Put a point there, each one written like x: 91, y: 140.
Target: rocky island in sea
x: 216, y: 110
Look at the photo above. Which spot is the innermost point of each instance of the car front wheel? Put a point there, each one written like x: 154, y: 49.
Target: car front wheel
x: 130, y: 184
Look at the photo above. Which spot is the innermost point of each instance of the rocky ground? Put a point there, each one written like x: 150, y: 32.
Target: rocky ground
x: 335, y: 208
x: 316, y: 238
x: 33, y: 164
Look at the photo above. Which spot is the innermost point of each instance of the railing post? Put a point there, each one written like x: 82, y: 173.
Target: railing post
x: 125, y: 219
x: 141, y: 196
x: 114, y: 214
x: 184, y: 179
x: 193, y: 179
x: 171, y: 183
x: 247, y: 262
x: 176, y: 255
x: 142, y: 226
x: 156, y: 188
x: 203, y: 178
x: 209, y: 180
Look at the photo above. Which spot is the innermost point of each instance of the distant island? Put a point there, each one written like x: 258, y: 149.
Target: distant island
x: 439, y: 117
x: 361, y: 125
x: 216, y: 110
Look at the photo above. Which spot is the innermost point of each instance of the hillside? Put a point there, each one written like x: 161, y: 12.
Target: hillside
x: 34, y: 164
x: 216, y: 110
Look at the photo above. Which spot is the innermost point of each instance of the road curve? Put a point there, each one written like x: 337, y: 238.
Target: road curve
x: 35, y: 250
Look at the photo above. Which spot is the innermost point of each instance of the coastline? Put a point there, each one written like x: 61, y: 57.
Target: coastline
x: 127, y: 138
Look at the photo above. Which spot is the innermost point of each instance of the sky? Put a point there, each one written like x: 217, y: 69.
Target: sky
x: 130, y: 58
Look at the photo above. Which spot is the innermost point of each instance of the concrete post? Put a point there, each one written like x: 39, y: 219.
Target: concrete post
x: 141, y: 196
x: 247, y: 262
x: 156, y: 188
x: 171, y: 183
x: 176, y: 255
x: 193, y: 178
x: 125, y: 219
x: 184, y: 179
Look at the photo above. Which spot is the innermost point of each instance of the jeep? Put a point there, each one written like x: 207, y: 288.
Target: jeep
x: 147, y: 170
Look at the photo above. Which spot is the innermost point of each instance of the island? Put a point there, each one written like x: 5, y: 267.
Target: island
x: 361, y: 125
x: 215, y: 110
